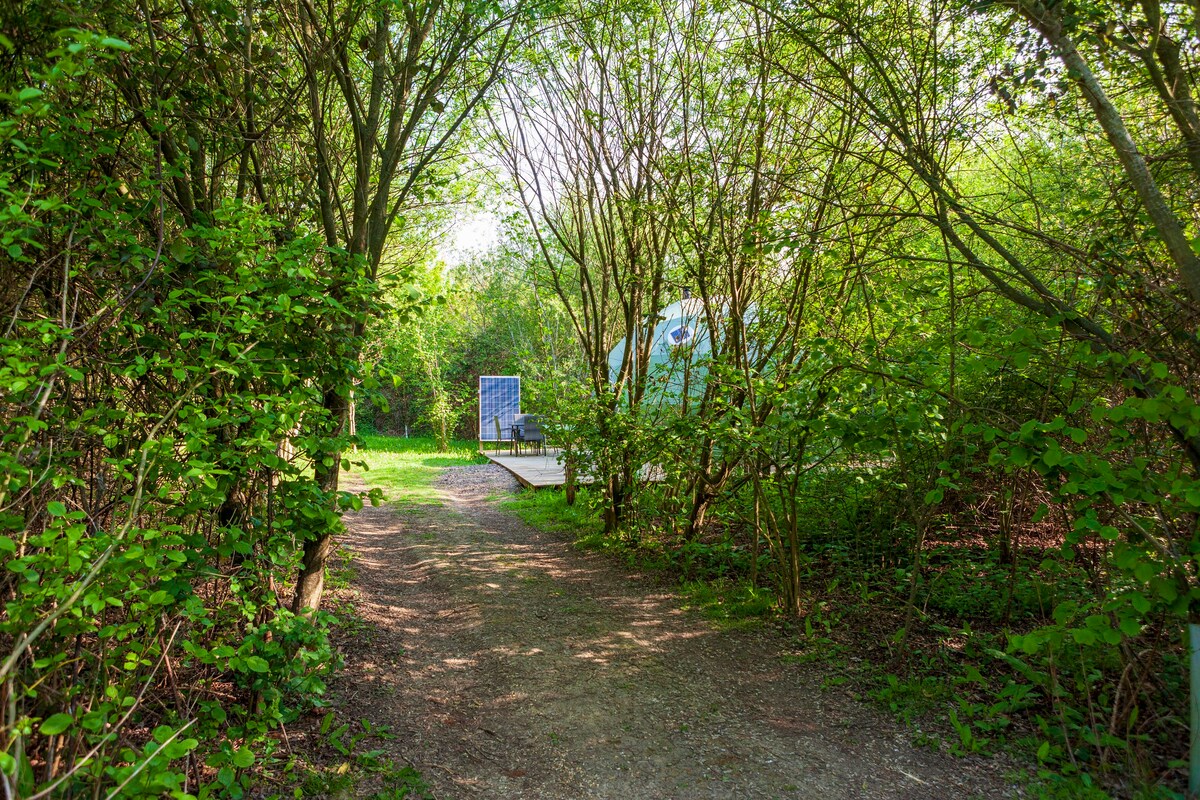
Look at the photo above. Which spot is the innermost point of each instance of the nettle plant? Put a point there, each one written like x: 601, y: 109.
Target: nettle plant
x: 159, y: 427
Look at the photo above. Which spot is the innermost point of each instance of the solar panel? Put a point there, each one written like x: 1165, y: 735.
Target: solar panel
x: 499, y: 396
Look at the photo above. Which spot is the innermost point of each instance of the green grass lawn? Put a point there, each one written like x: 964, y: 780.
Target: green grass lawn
x: 547, y: 510
x: 406, y: 469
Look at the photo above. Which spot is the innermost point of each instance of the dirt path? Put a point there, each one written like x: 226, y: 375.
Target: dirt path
x: 511, y: 665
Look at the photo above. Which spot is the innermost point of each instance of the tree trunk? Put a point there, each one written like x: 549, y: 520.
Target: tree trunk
x: 1050, y: 25
x: 792, y: 584
x: 616, y: 505
x: 310, y: 583
x: 701, y: 499
x: 758, y: 522
x: 569, y: 477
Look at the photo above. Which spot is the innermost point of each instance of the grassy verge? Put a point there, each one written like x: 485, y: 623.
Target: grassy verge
x: 352, y: 762
x: 407, y: 469
x: 547, y: 510
x: 729, y: 603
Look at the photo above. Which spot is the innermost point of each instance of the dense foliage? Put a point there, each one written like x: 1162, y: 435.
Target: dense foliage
x: 161, y: 422
x: 943, y: 258
x: 193, y: 247
x: 477, y: 319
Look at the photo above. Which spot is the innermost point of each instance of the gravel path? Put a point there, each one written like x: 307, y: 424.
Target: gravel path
x: 511, y: 665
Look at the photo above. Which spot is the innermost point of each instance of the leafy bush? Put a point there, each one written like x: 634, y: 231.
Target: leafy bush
x: 160, y: 421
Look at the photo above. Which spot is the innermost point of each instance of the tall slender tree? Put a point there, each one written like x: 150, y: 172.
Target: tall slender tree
x: 390, y: 88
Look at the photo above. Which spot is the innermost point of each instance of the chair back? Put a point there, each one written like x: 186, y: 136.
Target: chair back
x: 532, y: 428
x: 499, y: 435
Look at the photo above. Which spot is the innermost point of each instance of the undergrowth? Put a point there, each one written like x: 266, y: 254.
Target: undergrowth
x: 951, y: 679
x: 355, y: 765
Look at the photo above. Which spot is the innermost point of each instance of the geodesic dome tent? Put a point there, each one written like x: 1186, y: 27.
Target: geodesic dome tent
x: 680, y: 343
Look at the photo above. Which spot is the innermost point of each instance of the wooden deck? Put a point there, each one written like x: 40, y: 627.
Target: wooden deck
x: 541, y: 472
x: 536, y: 472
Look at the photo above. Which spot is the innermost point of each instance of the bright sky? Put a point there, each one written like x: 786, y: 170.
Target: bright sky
x: 472, y: 232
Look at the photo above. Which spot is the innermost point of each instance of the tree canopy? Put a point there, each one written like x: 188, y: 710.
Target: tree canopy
x: 945, y: 256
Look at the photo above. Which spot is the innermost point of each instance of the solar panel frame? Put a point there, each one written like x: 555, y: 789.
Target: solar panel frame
x: 499, y: 396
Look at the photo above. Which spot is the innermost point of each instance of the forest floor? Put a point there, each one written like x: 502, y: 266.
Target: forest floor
x: 507, y: 663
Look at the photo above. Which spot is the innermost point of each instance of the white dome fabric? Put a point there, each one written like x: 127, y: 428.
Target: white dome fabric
x: 679, y: 341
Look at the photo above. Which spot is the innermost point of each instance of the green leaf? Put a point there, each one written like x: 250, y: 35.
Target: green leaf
x: 29, y: 93
x: 243, y: 758
x: 56, y: 724
x: 1064, y: 611
x: 934, y: 496
x: 258, y: 664
x: 1139, y: 602
x: 1083, y: 636
x: 56, y: 508
x: 181, y: 252
x: 1044, y: 751
x: 115, y: 44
